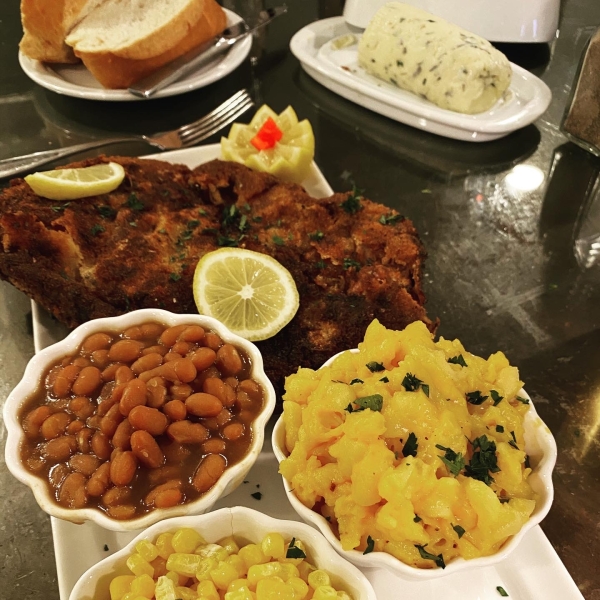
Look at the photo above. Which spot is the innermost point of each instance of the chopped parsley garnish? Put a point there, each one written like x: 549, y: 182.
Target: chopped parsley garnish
x: 96, y: 229
x: 257, y: 495
x: 316, y: 236
x: 352, y: 204
x: 522, y: 400
x: 243, y: 223
x: 133, y: 202
x: 458, y: 360
x: 374, y: 402
x: 476, y: 397
x: 356, y: 381
x: 320, y: 264
x: 375, y: 367
x: 390, y: 219
x: 502, y: 591
x: 417, y: 519
x: 370, y: 545
x: 453, y: 460
x: 278, y: 240
x: 60, y: 208
x: 174, y: 277
x: 384, y: 380
x: 496, y: 397
x: 350, y: 262
x: 513, y: 442
x: 106, y: 212
x: 411, y: 445
x: 438, y: 559
x: 412, y: 383
x: 257, y: 219
x: 230, y: 215
x: 293, y: 551
x: 226, y: 241
x: 193, y: 224
x: 202, y: 212
x: 484, y: 460
x: 499, y: 429
x: 459, y: 530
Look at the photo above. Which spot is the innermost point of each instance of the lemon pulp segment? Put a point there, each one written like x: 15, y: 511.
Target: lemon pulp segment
x: 250, y: 293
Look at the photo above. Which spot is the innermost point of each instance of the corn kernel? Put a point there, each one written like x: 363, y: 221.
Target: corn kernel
x: 212, y: 550
x: 305, y: 569
x: 147, y: 550
x: 258, y: 572
x: 143, y: 585
x: 273, y: 545
x: 343, y: 595
x: 237, y: 584
x: 252, y: 554
x: 133, y: 596
x: 206, y: 566
x: 223, y: 574
x: 208, y: 591
x: 230, y: 545
x: 325, y: 592
x: 299, y: 586
x: 238, y: 564
x: 184, y: 564
x: 273, y: 589
x: 241, y: 594
x: 138, y: 566
x: 318, y: 578
x: 185, y: 593
x: 120, y: 586
x: 288, y: 570
x: 165, y: 589
x: 164, y: 546
x: 186, y: 540
x: 174, y: 577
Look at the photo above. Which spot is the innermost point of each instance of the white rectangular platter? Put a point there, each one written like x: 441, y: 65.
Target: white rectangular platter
x: 533, y: 571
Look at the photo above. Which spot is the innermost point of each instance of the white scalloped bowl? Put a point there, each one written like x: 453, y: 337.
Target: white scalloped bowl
x: 31, y: 381
x: 246, y: 524
x: 539, y: 445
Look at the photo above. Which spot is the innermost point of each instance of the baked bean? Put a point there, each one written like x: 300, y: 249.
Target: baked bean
x: 98, y: 483
x: 157, y: 392
x: 100, y: 358
x: 169, y: 336
x: 134, y: 395
x: 96, y: 341
x: 181, y: 348
x: 170, y: 356
x: 147, y: 362
x: 64, y: 380
x: 146, y: 450
x: 85, y: 464
x: 109, y: 373
x: 209, y: 470
x: 223, y: 417
x: 148, y: 419
x: 74, y: 427
x: 81, y: 407
x: 192, y: 333
x: 211, y: 424
x: 245, y: 416
x: 186, y: 432
x: 72, y: 491
x: 121, y: 512
x: 121, y: 438
x: 81, y: 362
x: 116, y: 495
x: 123, y: 467
x: 229, y: 361
x: 216, y: 387
x: 123, y: 375
x: 203, y: 358
x: 182, y: 370
x: 162, y: 474
x: 168, y: 498
x: 252, y: 389
x: 125, y: 350
x: 152, y: 330
x: 34, y: 419
x: 181, y: 391
x: 213, y: 341
x: 175, y: 410
x: 108, y: 403
x: 174, y: 452
x: 110, y: 421
x: 93, y: 422
x: 133, y: 333
x: 155, y: 350
x: 55, y: 425
x: 57, y: 474
x: 233, y: 431
x: 213, y: 446
x: 101, y: 446
x: 87, y: 381
x: 203, y: 405
x: 84, y: 440
x: 60, y: 449
x: 232, y: 382
x: 173, y: 484
x: 209, y: 373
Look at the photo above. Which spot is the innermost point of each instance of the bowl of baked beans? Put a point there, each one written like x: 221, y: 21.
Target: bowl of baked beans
x: 137, y: 418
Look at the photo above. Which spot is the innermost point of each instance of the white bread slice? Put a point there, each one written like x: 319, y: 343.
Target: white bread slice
x: 137, y: 29
x: 45, y: 25
x: 114, y: 69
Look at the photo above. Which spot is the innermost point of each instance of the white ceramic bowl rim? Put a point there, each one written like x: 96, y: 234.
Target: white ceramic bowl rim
x: 538, y: 440
x: 32, y: 380
x: 233, y: 521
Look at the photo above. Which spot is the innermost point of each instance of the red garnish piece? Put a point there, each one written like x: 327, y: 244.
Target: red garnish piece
x: 268, y: 135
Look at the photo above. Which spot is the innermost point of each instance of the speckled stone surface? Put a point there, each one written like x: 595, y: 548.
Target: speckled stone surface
x: 502, y: 272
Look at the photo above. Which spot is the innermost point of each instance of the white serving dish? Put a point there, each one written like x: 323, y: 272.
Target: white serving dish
x: 32, y: 380
x: 506, y: 21
x: 532, y: 571
x: 539, y: 445
x: 245, y: 524
x: 76, y: 81
x: 337, y: 69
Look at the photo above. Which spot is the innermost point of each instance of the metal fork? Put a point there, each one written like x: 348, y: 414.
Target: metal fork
x: 185, y: 136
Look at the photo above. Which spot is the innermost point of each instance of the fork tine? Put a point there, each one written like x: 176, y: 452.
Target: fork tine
x: 207, y: 131
x: 229, y: 104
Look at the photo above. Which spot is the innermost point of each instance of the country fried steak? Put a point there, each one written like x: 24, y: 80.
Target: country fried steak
x: 353, y: 260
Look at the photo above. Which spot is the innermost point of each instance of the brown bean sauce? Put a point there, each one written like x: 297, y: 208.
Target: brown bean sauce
x: 187, y: 393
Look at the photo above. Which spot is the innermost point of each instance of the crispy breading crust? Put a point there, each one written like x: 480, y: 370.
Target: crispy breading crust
x: 138, y: 246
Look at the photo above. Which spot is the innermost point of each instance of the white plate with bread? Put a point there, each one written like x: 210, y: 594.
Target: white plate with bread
x: 118, y: 49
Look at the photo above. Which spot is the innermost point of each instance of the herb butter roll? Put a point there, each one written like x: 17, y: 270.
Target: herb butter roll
x: 428, y: 56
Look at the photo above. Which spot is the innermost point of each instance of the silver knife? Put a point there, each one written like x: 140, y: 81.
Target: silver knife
x: 194, y: 59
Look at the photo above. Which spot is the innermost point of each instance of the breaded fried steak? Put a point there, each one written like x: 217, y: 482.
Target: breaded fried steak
x: 353, y: 260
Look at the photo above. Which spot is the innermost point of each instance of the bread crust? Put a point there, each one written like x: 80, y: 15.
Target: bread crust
x: 116, y: 71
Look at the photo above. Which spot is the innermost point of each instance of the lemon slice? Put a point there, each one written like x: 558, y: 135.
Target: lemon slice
x: 250, y: 293
x: 291, y: 156
x: 72, y: 184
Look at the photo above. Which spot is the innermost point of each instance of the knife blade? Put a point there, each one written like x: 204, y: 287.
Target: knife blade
x: 201, y: 55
